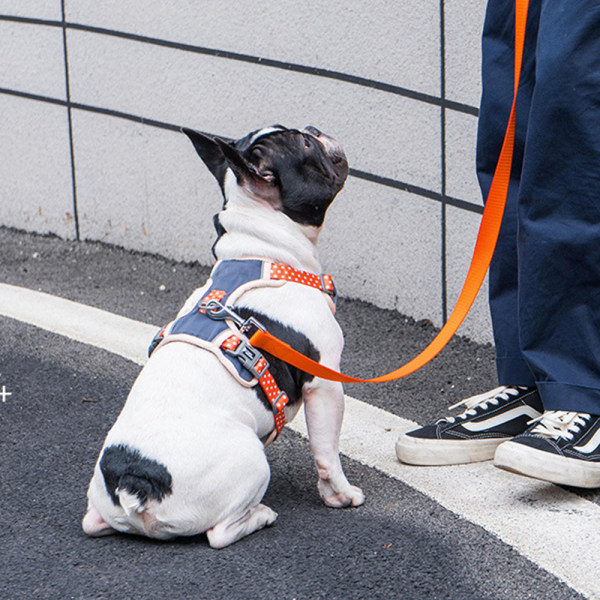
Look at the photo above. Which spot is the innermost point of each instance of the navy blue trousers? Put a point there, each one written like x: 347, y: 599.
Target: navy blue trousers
x: 545, y: 274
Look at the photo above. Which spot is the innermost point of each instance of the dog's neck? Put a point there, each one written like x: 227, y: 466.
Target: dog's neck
x: 255, y: 228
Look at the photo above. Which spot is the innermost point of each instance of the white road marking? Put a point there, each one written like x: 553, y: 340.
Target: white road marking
x: 557, y: 530
x: 80, y: 322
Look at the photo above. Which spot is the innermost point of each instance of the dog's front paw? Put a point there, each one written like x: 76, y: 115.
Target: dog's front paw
x: 349, y: 496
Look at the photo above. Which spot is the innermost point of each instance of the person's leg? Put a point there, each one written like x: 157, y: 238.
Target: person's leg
x: 559, y: 250
x: 559, y: 211
x: 491, y: 418
x: 498, y: 86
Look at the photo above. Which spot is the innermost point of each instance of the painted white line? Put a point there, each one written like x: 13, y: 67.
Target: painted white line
x: 86, y: 324
x: 553, y: 528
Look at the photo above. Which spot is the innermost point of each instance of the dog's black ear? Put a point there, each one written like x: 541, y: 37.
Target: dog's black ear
x: 248, y: 176
x: 239, y: 165
x: 210, y: 152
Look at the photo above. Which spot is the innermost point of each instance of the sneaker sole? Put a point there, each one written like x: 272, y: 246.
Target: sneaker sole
x: 437, y: 453
x: 531, y: 462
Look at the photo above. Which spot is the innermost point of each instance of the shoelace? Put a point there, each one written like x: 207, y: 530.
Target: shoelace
x: 557, y: 424
x: 482, y: 401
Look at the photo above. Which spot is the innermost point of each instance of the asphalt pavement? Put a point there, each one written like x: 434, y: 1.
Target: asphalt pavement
x: 64, y: 396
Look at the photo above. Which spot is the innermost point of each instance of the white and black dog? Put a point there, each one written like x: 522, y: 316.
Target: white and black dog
x: 186, y: 454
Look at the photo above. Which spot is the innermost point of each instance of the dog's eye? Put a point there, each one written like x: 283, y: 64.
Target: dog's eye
x: 307, y: 142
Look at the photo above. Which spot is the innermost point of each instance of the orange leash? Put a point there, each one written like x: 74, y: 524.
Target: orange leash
x: 482, y: 255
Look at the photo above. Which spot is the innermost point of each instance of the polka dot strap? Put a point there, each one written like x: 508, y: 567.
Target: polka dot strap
x: 323, y: 282
x: 258, y: 366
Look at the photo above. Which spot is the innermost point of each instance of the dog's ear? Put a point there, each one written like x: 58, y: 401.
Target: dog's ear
x: 247, y: 175
x: 210, y: 152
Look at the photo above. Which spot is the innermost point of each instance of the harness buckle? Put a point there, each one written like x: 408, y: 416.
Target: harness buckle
x: 275, y: 405
x: 250, y: 358
x: 325, y: 285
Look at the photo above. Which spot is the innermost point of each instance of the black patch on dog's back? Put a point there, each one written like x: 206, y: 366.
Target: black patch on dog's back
x: 288, y: 378
x: 125, y: 468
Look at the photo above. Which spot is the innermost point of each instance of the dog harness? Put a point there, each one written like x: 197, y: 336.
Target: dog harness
x: 214, y: 325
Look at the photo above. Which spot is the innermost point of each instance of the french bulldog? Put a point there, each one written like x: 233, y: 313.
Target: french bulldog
x: 186, y: 454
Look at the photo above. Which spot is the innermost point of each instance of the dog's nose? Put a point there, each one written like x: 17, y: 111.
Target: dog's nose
x: 312, y: 130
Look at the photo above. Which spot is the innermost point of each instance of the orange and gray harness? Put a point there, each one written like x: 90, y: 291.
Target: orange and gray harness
x: 213, y: 324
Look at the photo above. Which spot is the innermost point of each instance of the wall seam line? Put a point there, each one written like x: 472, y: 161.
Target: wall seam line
x: 443, y: 253
x: 359, y: 174
x: 70, y: 121
x: 256, y: 60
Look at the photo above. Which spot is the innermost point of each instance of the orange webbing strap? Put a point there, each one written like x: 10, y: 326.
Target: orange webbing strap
x: 482, y: 255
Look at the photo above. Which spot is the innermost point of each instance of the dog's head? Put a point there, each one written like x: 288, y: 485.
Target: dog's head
x: 297, y: 172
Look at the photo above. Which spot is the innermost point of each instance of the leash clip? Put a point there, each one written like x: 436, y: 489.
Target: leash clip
x: 250, y: 327
x: 215, y: 310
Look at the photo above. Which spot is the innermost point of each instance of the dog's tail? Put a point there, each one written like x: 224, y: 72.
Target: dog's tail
x: 132, y: 480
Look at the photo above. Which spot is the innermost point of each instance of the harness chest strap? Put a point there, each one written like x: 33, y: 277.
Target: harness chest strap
x: 264, y: 272
x: 236, y: 345
x: 276, y: 397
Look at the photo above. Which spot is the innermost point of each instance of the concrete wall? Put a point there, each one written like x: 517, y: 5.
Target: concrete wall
x: 92, y: 95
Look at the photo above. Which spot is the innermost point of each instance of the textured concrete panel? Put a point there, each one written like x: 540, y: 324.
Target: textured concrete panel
x: 36, y: 9
x: 35, y: 168
x: 461, y: 141
x: 383, y: 245
x: 464, y: 24
x: 461, y: 233
x: 32, y: 59
x: 382, y: 132
x: 397, y: 43
x: 143, y: 188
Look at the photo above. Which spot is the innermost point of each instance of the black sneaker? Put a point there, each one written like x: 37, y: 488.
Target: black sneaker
x: 474, y: 435
x: 561, y: 447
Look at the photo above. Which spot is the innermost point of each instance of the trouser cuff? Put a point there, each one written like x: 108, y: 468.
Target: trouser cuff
x: 514, y: 371
x: 564, y: 396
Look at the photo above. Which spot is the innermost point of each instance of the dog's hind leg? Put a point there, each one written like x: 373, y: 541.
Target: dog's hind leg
x: 243, y: 489
x: 236, y: 527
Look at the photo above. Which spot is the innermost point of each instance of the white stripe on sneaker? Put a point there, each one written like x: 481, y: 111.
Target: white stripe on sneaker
x: 509, y: 415
x: 591, y: 445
